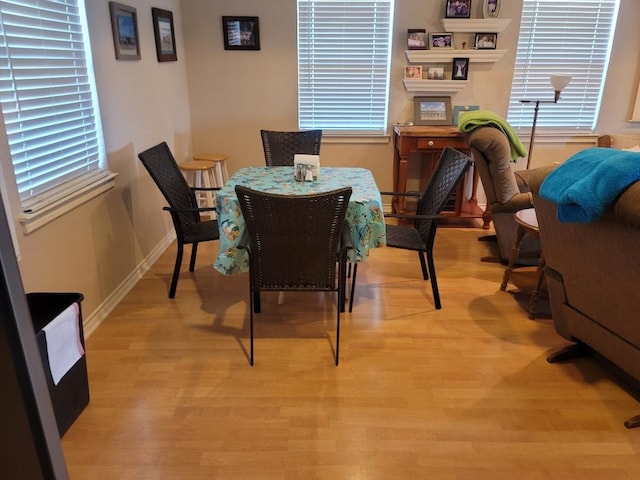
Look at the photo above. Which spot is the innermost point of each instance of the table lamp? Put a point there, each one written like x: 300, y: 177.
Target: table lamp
x: 558, y: 82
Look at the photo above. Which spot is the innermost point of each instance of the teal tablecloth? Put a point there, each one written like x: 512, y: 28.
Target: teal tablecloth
x: 365, y: 219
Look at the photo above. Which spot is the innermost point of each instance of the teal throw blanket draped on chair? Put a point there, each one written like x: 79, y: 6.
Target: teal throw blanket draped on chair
x: 485, y: 118
x: 589, y: 181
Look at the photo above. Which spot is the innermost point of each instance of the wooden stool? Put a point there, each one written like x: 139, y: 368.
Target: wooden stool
x: 220, y: 159
x: 203, y: 175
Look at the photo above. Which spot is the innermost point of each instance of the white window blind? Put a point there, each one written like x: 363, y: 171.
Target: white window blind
x: 562, y: 36
x: 343, y: 65
x: 47, y: 93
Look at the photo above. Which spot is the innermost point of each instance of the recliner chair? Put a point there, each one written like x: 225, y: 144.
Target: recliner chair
x: 506, y: 191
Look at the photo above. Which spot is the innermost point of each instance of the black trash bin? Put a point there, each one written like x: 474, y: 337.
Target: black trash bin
x: 71, y: 395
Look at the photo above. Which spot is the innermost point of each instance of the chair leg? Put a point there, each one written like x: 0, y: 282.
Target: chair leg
x: 353, y: 286
x: 252, y: 296
x: 338, y: 334
x: 425, y: 275
x: 434, y: 282
x: 194, y: 252
x: 176, y: 271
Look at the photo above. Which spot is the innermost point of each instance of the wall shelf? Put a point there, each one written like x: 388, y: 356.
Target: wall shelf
x: 445, y: 55
x: 471, y: 25
x: 450, y: 87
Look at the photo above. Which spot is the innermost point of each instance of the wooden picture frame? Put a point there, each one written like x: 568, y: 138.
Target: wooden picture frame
x: 440, y: 40
x: 432, y: 111
x: 460, y: 69
x: 485, y: 41
x: 124, y: 25
x: 416, y: 39
x: 458, y: 9
x: 241, y: 33
x: 164, y: 34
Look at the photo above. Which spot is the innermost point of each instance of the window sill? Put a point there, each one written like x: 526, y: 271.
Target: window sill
x: 355, y: 138
x: 33, y: 221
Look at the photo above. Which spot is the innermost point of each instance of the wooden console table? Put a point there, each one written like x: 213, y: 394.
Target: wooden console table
x: 429, y: 141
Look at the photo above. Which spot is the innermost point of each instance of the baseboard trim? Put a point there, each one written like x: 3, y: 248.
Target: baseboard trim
x: 91, y: 323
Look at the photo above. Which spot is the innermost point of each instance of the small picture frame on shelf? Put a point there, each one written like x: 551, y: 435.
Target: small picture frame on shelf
x: 458, y: 9
x: 485, y: 41
x: 435, y: 73
x: 461, y: 109
x: 440, y: 40
x: 460, y: 69
x: 413, y: 72
x: 416, y: 39
x: 491, y: 8
x: 432, y: 111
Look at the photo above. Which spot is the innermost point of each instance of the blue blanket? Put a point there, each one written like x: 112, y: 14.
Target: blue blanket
x: 589, y: 181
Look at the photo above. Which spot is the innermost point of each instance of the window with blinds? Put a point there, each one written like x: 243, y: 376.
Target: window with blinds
x: 344, y: 53
x: 47, y: 94
x: 562, y: 36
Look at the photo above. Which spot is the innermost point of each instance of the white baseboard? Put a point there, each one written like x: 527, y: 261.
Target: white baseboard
x: 91, y: 323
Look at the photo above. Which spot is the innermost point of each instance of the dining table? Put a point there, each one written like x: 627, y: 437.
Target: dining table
x: 364, y: 219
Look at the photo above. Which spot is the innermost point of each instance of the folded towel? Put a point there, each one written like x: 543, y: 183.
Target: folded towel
x: 589, y: 181
x: 64, y: 346
x: 485, y: 118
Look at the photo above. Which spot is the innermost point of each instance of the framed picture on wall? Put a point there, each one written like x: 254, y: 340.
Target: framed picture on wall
x: 124, y: 24
x: 460, y: 69
x: 241, y: 33
x: 486, y: 41
x: 164, y: 34
x: 432, y: 111
x: 491, y: 8
x: 413, y: 71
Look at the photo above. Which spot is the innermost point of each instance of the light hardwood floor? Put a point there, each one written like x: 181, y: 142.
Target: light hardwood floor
x: 460, y: 393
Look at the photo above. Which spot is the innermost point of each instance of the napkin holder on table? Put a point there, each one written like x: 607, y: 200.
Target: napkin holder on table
x: 304, y: 159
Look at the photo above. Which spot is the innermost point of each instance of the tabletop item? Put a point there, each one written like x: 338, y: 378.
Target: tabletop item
x: 306, y: 257
x: 183, y: 206
x: 364, y: 219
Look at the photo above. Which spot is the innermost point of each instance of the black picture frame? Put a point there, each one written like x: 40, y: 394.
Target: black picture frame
x: 432, y: 111
x: 460, y: 69
x: 458, y: 9
x: 440, y: 40
x: 241, y: 33
x: 164, y: 34
x: 124, y: 25
x: 416, y: 39
x: 485, y: 41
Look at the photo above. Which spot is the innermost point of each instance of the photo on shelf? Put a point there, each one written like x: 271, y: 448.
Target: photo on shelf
x: 458, y: 9
x: 460, y: 69
x: 441, y: 40
x: 416, y: 39
x: 486, y: 41
x: 413, y: 71
x: 491, y: 8
x: 435, y: 73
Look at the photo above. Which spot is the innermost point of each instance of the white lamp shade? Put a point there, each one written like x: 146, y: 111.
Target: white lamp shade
x: 560, y: 80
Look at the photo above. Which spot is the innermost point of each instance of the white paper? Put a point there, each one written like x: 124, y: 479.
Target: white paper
x: 64, y: 346
x: 304, y: 159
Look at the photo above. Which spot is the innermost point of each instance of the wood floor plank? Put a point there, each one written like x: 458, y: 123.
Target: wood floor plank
x: 454, y: 394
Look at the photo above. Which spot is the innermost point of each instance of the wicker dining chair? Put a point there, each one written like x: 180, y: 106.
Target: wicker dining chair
x: 293, y: 243
x: 183, y: 206
x: 280, y: 147
x: 420, y: 236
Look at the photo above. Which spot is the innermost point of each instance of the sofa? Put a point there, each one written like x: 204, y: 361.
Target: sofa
x: 506, y: 191
x: 593, y: 275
